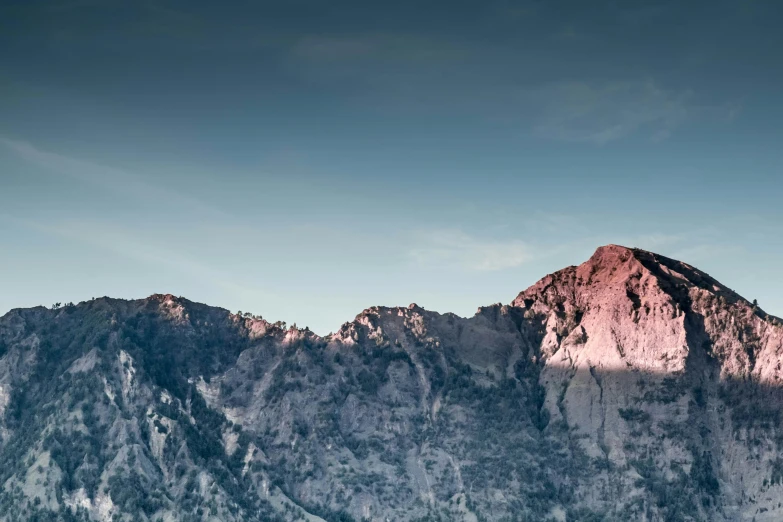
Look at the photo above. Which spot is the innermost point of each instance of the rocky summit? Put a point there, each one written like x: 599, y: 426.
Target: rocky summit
x: 630, y: 387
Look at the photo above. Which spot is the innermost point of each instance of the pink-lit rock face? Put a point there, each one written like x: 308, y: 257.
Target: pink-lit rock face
x: 630, y: 387
x: 628, y: 326
x: 627, y: 309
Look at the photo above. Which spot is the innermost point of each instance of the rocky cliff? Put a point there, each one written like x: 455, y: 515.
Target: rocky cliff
x: 631, y: 387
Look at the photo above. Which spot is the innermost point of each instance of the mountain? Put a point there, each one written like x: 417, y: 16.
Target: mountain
x: 631, y: 387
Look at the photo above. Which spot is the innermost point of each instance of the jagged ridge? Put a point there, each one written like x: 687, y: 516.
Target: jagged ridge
x: 630, y: 387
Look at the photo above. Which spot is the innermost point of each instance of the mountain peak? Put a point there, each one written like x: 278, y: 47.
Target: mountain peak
x: 612, y: 249
x: 615, y: 265
x: 639, y: 309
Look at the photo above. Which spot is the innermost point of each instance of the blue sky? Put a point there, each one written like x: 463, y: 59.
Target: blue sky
x: 305, y: 160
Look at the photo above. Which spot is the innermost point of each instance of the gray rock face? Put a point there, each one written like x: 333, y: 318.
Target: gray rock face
x: 631, y: 387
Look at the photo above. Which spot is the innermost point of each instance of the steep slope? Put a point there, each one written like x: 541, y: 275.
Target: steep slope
x: 631, y: 387
x: 670, y: 376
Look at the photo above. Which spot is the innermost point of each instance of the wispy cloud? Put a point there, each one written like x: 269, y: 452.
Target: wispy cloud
x: 456, y: 249
x: 602, y: 112
x: 333, y: 49
x: 129, y: 245
x: 399, y: 67
x: 705, y: 252
x: 379, y: 46
x: 130, y: 242
x: 118, y: 181
x: 654, y: 240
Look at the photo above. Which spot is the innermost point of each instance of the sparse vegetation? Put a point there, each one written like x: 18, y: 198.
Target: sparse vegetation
x: 174, y: 410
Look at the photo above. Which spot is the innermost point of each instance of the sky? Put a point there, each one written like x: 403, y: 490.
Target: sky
x: 304, y: 160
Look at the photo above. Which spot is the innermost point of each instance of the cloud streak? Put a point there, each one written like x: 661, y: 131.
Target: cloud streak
x: 601, y: 112
x: 456, y: 249
x: 123, y: 243
x: 117, y: 181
